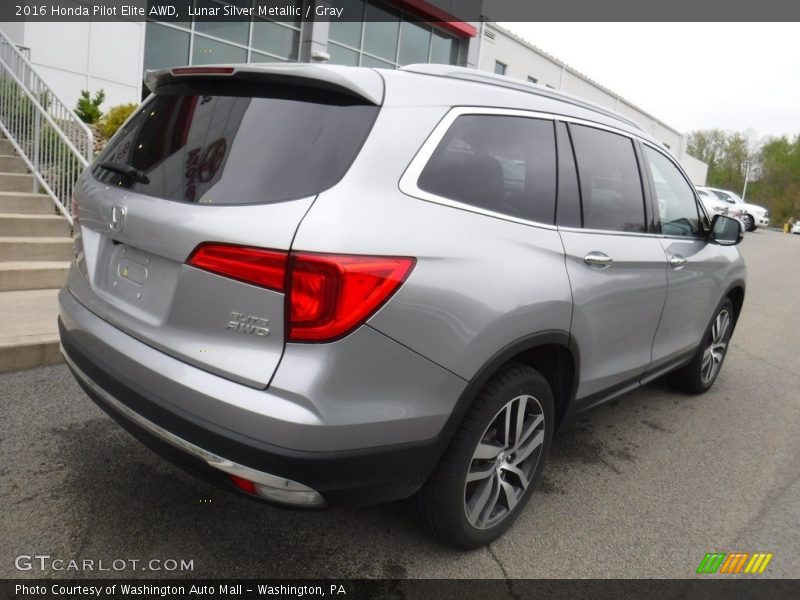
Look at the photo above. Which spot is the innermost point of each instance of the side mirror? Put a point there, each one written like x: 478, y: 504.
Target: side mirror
x: 725, y: 231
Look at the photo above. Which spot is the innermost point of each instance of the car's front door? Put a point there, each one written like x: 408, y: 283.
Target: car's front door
x: 694, y: 263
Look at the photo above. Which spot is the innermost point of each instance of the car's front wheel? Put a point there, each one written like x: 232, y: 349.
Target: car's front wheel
x: 700, y: 374
x: 486, y: 475
x: 749, y: 223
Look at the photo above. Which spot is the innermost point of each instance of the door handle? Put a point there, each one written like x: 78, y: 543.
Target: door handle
x: 677, y: 261
x: 598, y: 259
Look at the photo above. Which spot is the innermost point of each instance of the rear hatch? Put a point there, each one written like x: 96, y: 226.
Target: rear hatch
x: 230, y: 156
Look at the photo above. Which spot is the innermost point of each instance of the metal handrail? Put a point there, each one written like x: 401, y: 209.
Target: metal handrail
x: 55, y: 144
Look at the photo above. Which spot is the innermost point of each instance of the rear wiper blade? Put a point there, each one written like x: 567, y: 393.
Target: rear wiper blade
x: 132, y: 172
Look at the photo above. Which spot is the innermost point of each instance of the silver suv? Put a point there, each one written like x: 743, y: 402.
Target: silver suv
x: 325, y: 285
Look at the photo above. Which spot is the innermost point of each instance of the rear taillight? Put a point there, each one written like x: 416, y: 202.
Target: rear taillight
x: 327, y: 295
x: 330, y: 295
x: 264, y: 268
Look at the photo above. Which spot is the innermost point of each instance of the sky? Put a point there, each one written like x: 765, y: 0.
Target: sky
x: 733, y: 76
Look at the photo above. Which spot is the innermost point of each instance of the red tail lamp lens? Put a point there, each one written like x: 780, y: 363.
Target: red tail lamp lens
x: 330, y: 295
x: 265, y: 268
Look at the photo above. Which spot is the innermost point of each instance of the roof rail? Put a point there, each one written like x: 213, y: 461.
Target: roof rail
x: 475, y: 76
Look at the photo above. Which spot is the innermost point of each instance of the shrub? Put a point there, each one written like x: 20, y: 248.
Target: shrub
x: 88, y: 108
x: 114, y: 119
x: 15, y: 103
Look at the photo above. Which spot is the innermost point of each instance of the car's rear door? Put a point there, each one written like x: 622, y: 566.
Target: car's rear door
x: 616, y: 266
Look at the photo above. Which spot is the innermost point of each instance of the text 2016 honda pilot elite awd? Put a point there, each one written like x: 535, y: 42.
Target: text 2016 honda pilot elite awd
x: 325, y: 285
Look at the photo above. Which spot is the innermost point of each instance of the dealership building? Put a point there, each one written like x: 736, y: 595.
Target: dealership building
x: 113, y: 56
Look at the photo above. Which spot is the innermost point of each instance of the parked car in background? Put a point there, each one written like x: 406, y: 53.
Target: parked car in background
x: 796, y: 227
x: 755, y: 215
x: 323, y: 285
x: 715, y: 205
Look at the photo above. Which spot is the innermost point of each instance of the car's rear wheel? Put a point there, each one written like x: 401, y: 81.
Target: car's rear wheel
x: 487, y: 474
x: 700, y: 374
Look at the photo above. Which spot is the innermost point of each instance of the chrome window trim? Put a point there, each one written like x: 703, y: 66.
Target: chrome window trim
x: 408, y: 181
x: 587, y: 123
x: 609, y: 232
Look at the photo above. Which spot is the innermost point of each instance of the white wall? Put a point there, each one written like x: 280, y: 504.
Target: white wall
x: 75, y: 56
x: 696, y: 169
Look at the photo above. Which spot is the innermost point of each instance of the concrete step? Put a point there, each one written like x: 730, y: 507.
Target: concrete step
x: 26, y: 203
x: 12, y: 164
x: 32, y: 275
x: 6, y: 148
x: 18, y: 248
x: 28, y: 329
x: 15, y: 224
x: 16, y: 182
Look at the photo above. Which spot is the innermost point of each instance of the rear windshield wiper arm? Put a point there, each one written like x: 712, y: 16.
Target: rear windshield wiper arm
x: 130, y: 171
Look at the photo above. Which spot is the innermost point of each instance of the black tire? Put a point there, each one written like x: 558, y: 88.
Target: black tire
x: 695, y: 378
x: 443, y: 502
x: 749, y: 223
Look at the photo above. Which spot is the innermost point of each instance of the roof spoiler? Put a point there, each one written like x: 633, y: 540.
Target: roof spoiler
x: 364, y: 84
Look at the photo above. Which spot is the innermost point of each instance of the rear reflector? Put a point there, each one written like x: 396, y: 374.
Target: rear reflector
x: 327, y: 295
x: 278, y: 489
x: 264, y: 268
x: 243, y: 484
x: 202, y: 71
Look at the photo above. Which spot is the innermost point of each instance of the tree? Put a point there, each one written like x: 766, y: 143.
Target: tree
x: 774, y: 167
x: 778, y: 184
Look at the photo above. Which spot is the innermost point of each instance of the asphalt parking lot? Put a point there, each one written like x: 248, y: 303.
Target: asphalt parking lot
x: 643, y: 487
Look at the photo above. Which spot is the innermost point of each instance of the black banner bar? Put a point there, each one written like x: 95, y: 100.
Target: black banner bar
x: 732, y: 588
x: 428, y: 10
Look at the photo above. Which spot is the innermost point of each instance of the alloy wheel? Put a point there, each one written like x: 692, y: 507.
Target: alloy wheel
x: 715, y: 352
x: 504, y: 461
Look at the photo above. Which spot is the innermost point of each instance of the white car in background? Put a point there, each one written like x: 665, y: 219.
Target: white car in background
x: 755, y: 215
x: 714, y: 205
x: 796, y: 227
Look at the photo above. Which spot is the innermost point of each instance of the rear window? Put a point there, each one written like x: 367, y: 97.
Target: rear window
x: 236, y: 144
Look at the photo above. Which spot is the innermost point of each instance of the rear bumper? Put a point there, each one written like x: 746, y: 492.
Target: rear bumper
x: 138, y: 399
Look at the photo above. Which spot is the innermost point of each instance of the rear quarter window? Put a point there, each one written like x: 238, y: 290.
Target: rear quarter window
x: 503, y: 164
x: 214, y: 144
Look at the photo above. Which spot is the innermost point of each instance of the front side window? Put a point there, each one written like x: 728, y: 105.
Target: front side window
x: 677, y: 207
x: 724, y: 196
x: 499, y: 163
x: 611, y: 187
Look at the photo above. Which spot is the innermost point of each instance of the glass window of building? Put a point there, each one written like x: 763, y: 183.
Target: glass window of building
x: 165, y: 47
x: 387, y: 38
x: 500, y: 68
x: 198, y: 42
x: 383, y: 37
